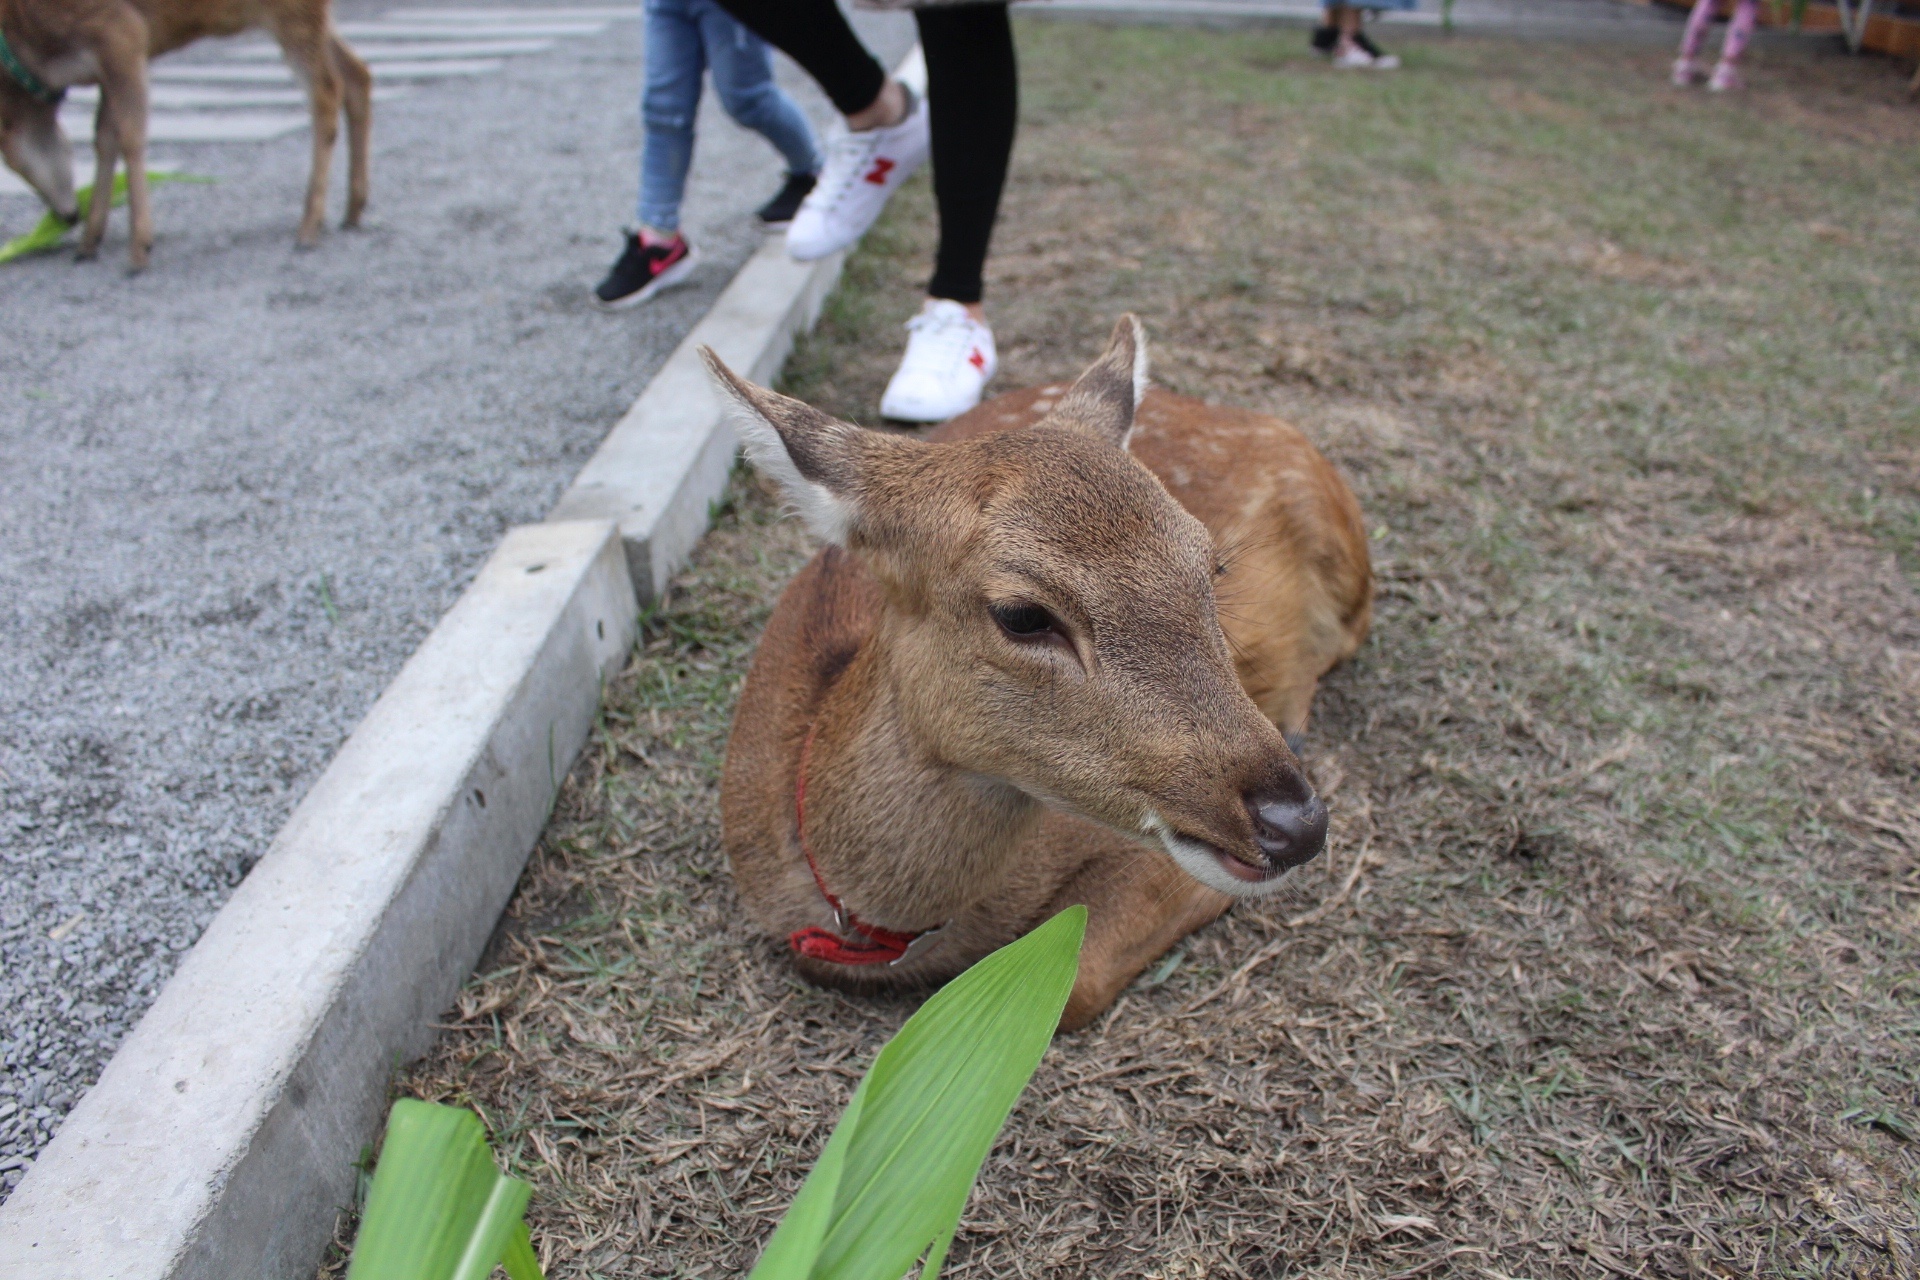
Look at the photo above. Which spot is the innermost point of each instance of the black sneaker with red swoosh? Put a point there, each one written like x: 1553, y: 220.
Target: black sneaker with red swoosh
x: 647, y: 266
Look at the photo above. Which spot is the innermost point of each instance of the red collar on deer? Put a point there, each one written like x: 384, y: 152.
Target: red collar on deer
x: 870, y: 944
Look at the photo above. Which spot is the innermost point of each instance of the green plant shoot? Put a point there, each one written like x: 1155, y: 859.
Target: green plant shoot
x: 438, y: 1209
x: 51, y: 231
x: 894, y: 1176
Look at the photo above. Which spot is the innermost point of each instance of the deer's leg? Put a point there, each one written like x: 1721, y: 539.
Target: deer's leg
x: 122, y: 127
x: 357, y: 83
x: 130, y: 122
x: 1138, y: 903
x: 106, y: 157
x: 306, y: 42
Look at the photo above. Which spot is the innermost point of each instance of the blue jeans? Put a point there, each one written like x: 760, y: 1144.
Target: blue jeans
x: 685, y: 38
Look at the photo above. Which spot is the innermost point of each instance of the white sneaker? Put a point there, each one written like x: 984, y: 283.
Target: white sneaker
x: 949, y: 360
x: 1354, y: 59
x: 862, y: 170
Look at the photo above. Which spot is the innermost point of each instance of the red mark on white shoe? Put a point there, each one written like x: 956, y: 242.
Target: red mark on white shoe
x: 977, y: 360
x: 878, y: 174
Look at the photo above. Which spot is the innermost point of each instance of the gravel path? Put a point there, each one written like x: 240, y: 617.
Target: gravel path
x: 237, y: 490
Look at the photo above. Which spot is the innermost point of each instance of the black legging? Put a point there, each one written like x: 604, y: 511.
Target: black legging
x: 972, y: 91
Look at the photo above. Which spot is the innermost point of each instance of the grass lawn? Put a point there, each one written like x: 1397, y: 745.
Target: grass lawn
x: 1613, y: 967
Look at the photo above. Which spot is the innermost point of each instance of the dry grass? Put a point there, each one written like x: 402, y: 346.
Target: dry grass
x: 1624, y: 978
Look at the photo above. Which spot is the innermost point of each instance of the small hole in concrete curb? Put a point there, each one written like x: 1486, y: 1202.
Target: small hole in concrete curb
x: 480, y: 797
x: 600, y: 630
x: 535, y: 568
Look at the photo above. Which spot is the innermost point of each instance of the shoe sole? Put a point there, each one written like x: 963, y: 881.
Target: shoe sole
x: 673, y: 275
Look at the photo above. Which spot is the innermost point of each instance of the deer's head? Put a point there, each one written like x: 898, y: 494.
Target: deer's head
x: 1049, y: 618
x: 36, y: 148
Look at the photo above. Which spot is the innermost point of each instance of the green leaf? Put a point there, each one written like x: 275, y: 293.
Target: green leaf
x: 894, y: 1177
x: 51, y: 231
x: 439, y: 1210
x: 520, y: 1260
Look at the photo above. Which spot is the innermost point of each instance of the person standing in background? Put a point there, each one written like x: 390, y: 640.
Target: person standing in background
x: 1349, y: 47
x: 967, y: 126
x: 684, y: 40
x: 1726, y: 75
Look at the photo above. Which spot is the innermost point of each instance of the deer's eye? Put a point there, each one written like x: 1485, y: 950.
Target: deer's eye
x: 1023, y: 621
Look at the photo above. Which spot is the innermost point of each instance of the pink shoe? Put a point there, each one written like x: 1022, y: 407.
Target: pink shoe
x: 1724, y: 77
x: 1685, y: 71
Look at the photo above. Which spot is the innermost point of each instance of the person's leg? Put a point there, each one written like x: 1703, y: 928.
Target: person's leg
x: 1739, y: 31
x: 743, y: 78
x: 973, y: 95
x: 655, y: 255
x: 973, y: 92
x: 669, y: 105
x: 1346, y: 24
x: 815, y: 34
x: 1691, y: 39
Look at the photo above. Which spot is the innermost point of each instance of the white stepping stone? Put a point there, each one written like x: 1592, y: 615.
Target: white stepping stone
x: 608, y: 13
x: 477, y: 31
x: 203, y: 73
x: 435, y: 70
x: 179, y: 96
x: 419, y: 50
x: 199, y: 126
x: 12, y: 184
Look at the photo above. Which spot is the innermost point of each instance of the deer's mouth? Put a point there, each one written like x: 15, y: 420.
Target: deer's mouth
x: 1215, y: 867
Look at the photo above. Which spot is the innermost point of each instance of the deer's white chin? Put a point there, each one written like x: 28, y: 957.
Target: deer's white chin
x: 1212, y: 867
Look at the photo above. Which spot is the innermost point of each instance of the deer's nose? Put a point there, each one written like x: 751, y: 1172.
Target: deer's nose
x: 1290, y: 827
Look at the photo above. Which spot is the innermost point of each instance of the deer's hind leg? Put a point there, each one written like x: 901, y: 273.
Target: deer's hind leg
x: 306, y: 41
x: 357, y: 82
x: 1139, y: 903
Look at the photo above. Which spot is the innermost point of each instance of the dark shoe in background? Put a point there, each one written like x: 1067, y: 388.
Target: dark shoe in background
x: 1324, y: 38
x: 779, y: 211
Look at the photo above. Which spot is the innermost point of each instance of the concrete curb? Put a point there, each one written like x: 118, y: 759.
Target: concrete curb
x: 660, y: 470
x: 220, y: 1140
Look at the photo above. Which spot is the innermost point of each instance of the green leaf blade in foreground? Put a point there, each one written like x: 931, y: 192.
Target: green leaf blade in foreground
x: 928, y: 1113
x: 438, y: 1209
x: 51, y: 231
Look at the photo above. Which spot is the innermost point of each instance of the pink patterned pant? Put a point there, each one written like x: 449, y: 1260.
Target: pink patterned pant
x: 1745, y: 13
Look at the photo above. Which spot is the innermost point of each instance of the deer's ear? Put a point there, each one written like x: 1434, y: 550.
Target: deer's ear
x: 1104, y: 399
x: 814, y: 458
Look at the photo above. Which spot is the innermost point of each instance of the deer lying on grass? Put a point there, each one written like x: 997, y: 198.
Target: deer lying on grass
x: 1005, y: 686
x: 47, y: 46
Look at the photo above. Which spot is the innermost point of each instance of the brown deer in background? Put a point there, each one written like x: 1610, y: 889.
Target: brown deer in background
x: 1006, y: 687
x: 47, y: 46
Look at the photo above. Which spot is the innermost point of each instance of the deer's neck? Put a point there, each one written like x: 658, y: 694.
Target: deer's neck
x: 903, y: 838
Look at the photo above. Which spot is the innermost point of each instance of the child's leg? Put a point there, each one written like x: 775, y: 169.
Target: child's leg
x: 1745, y: 14
x: 1696, y: 33
x: 743, y: 77
x: 675, y: 62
